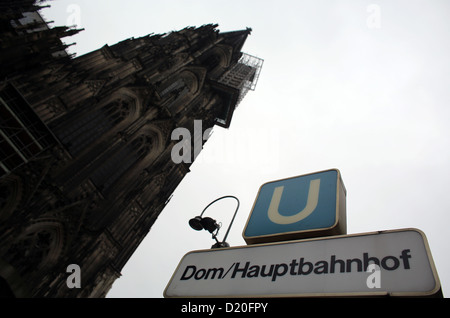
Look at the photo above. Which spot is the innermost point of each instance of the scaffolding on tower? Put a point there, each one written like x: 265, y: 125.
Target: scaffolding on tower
x: 243, y: 75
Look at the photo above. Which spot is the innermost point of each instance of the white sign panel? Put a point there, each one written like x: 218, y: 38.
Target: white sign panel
x: 396, y: 262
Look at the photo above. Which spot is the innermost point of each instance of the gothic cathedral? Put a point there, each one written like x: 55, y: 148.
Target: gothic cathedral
x: 85, y: 142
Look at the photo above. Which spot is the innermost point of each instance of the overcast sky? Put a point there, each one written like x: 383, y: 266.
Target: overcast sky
x: 361, y: 86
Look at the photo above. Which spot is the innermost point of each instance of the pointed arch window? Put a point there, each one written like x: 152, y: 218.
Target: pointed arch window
x: 78, y: 133
x: 113, y: 168
x: 212, y: 62
x: 178, y: 91
x: 174, y: 87
x: 39, y: 246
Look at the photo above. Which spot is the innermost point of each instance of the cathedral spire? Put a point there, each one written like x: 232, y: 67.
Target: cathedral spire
x: 236, y: 39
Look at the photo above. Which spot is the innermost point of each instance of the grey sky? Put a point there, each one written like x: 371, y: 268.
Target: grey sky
x: 337, y: 90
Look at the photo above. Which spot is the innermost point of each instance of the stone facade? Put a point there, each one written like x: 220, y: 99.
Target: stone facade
x: 86, y: 144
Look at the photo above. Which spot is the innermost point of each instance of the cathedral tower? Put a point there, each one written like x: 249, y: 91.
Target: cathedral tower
x: 85, y: 143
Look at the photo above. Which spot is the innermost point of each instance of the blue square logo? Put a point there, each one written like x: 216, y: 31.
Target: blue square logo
x: 299, y: 207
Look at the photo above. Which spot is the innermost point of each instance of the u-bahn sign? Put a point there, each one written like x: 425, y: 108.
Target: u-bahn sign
x: 394, y: 263
x: 306, y: 206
